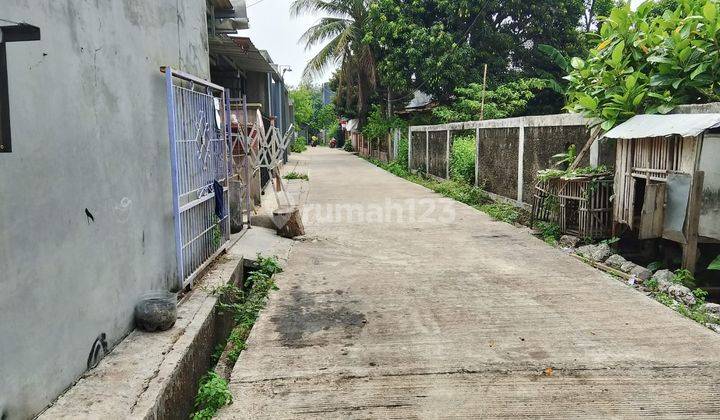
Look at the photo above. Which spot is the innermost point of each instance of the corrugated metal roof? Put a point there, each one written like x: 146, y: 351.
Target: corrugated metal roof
x: 242, y: 52
x: 644, y: 126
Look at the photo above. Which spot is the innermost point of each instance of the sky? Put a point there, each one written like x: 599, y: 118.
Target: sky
x: 273, y: 29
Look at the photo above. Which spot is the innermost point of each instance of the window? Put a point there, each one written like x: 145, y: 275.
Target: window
x: 13, y: 33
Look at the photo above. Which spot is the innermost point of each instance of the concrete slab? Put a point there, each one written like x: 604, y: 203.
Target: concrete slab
x: 447, y: 313
x: 155, y: 375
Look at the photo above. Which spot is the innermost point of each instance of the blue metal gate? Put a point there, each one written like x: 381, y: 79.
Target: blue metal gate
x: 201, y: 167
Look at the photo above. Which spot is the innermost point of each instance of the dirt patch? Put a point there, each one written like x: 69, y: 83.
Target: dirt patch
x: 305, y: 322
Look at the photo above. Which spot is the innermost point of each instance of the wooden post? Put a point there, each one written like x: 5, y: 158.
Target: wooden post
x: 689, y: 259
x: 288, y: 221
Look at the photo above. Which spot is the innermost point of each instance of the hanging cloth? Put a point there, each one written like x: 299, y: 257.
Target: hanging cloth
x: 219, y: 200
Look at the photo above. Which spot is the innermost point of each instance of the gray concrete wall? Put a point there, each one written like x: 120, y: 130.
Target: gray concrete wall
x: 511, y: 150
x: 89, y: 132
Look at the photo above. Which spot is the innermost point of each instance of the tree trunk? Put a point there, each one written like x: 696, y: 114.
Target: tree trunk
x: 288, y: 221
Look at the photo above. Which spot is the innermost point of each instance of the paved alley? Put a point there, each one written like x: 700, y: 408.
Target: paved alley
x: 431, y: 309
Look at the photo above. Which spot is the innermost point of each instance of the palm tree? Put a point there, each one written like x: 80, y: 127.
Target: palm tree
x: 342, y: 31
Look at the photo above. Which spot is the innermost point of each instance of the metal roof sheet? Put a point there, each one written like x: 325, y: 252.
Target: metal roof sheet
x: 644, y: 126
x: 242, y: 52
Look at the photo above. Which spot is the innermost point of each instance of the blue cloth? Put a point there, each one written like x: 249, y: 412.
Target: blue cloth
x: 219, y: 200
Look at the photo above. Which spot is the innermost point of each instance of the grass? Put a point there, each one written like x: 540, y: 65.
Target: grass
x: 245, y: 308
x: 461, y: 191
x: 296, y: 175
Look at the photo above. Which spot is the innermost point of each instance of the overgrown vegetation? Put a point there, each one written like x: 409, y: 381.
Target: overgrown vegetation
x: 507, y: 100
x: 245, y: 308
x: 212, y: 395
x: 379, y: 125
x: 299, y: 145
x: 296, y: 175
x: 348, y: 146
x: 507, y: 213
x: 548, y: 232
x: 462, y: 159
x: 460, y: 191
x: 649, y: 61
x: 695, y: 311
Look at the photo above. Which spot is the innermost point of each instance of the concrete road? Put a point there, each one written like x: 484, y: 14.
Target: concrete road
x: 456, y: 315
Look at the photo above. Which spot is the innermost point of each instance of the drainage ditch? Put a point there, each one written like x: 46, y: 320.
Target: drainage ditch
x: 238, y: 307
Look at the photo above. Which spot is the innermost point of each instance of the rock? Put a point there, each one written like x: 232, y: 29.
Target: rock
x: 569, y: 241
x: 615, y: 261
x: 627, y: 266
x: 714, y: 327
x: 712, y: 309
x: 664, y: 279
x: 641, y: 272
x: 586, y: 251
x: 601, y: 252
x: 681, y: 293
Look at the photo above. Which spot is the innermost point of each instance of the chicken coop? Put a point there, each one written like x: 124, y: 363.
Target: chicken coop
x: 667, y: 179
x: 580, y: 206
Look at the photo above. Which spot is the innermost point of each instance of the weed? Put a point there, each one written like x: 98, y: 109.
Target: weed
x: 665, y: 299
x: 296, y: 175
x: 216, y: 231
x: 549, y: 232
x: 685, y: 278
x: 651, y: 284
x: 505, y: 212
x: 299, y: 145
x: 462, y: 159
x: 245, y: 308
x: 348, y: 146
x: 212, y: 395
x: 237, y: 339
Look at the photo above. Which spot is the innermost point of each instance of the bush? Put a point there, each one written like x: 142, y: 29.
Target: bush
x: 212, y: 395
x: 462, y: 159
x: 348, y: 146
x: 299, y: 145
x: 402, y: 156
x: 647, y: 61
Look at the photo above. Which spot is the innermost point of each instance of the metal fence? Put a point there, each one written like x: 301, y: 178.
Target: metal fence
x: 199, y: 156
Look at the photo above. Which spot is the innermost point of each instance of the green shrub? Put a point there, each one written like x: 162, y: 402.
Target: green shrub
x: 402, y: 156
x: 648, y: 61
x: 505, y: 213
x: 296, y: 175
x: 299, y: 145
x: 348, y: 146
x: 549, y: 232
x: 462, y: 159
x: 212, y: 395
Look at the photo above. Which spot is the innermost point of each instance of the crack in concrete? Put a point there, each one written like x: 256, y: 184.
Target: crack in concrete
x: 530, y: 371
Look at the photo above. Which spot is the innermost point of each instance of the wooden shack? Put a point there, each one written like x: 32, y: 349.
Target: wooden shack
x: 667, y: 179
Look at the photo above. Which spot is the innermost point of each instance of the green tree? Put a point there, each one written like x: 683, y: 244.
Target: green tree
x: 438, y: 45
x: 507, y: 100
x: 341, y: 30
x: 303, y: 102
x: 646, y: 62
